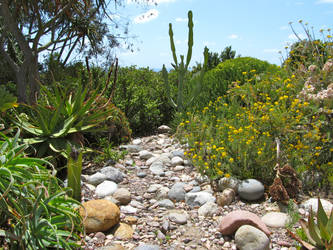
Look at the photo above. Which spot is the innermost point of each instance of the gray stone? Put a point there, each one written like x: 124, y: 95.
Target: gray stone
x: 147, y: 247
x: 276, y: 219
x: 141, y: 174
x: 178, y: 218
x: 195, y: 189
x: 113, y: 174
x: 179, y: 153
x: 96, y: 178
x: 153, y: 188
x: 225, y: 183
x: 251, y: 189
x: 166, y: 203
x: 250, y: 238
x: 106, y: 188
x: 151, y: 160
x: 162, y: 193
x: 122, y: 195
x: 178, y: 168
x: 164, y: 129
x: 137, y: 141
x: 157, y: 168
x: 176, y: 160
x: 177, y: 192
x: 128, y: 209
x: 198, y: 198
x: 131, y: 148
x: 145, y: 154
x: 160, y: 235
x: 208, y: 209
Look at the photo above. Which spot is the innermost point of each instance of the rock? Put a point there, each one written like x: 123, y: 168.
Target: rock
x: 160, y: 235
x: 123, y: 231
x: 226, y: 198
x: 113, y: 200
x: 112, y: 174
x: 179, y: 153
x: 165, y: 226
x: 137, y: 141
x: 141, y: 174
x: 111, y: 247
x: 162, y: 193
x: 208, y: 209
x: 151, y: 160
x: 233, y: 220
x: 122, y: 195
x: 166, y: 203
x: 177, y: 192
x: 99, y: 215
x: 313, y: 202
x: 225, y: 183
x: 153, y: 188
x: 177, y: 161
x: 145, y: 154
x: 276, y: 219
x: 163, y: 129
x: 157, y: 168
x: 178, y: 168
x: 131, y: 148
x: 250, y: 238
x: 106, y: 188
x: 198, y: 198
x: 96, y: 178
x: 179, y: 218
x: 130, y: 220
x: 128, y: 209
x: 251, y: 190
x: 147, y: 247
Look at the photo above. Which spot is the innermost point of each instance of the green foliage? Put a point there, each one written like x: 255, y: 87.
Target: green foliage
x: 108, y: 152
x: 218, y: 80
x: 140, y: 95
x: 236, y: 134
x: 7, y: 100
x: 36, y: 212
x: 74, y: 169
x: 60, y: 117
x: 181, y: 69
x: 319, y: 228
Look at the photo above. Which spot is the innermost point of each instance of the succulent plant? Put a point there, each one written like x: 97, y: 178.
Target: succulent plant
x: 318, y: 230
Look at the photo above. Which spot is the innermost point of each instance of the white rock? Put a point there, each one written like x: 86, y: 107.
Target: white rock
x: 276, y: 219
x: 137, y: 141
x: 96, y: 178
x: 145, y: 154
x: 208, y: 209
x: 128, y: 209
x: 313, y: 202
x: 250, y: 238
x: 177, y: 161
x: 106, y: 188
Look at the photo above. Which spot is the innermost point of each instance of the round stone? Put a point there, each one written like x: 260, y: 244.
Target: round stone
x: 250, y: 238
x: 251, y: 189
x: 276, y: 219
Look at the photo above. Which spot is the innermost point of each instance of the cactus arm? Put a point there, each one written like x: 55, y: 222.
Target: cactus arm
x: 167, y: 86
x: 190, y: 39
x: 172, y: 45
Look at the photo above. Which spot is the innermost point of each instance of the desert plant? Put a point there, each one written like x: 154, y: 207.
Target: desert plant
x: 318, y: 230
x: 182, y: 69
x: 36, y: 213
x: 74, y: 169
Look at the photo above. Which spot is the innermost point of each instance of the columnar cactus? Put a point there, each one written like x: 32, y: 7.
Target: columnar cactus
x: 182, y: 68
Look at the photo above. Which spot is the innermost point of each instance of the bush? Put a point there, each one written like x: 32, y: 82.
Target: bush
x: 236, y: 135
x: 218, y: 80
x: 36, y: 213
x: 140, y: 95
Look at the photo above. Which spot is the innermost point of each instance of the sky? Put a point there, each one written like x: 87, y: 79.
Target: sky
x: 256, y: 28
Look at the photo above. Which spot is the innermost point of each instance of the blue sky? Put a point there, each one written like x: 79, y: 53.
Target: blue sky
x: 257, y: 28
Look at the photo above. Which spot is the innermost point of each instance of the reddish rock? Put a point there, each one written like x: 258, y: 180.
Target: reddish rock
x: 232, y: 221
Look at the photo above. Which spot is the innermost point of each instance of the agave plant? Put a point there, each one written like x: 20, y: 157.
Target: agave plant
x: 318, y: 230
x: 35, y: 212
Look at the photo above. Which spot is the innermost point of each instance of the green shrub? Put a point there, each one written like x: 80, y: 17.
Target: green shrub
x: 140, y: 95
x: 236, y: 134
x: 35, y: 212
x: 218, y: 80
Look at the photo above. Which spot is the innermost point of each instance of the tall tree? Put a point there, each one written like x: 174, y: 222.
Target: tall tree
x: 30, y: 27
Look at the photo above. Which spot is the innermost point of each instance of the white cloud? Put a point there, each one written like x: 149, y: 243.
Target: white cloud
x: 233, y: 36
x: 179, y: 19
x: 147, y: 16
x: 271, y: 51
x: 325, y: 1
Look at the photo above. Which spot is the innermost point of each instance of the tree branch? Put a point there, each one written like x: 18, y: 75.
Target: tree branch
x: 11, y: 62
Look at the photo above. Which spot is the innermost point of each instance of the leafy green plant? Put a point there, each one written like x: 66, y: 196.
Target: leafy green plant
x: 36, y: 213
x: 182, y: 69
x: 74, y: 169
x: 318, y: 229
x: 7, y: 100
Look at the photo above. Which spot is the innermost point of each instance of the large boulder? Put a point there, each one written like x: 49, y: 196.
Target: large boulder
x: 251, y: 190
x: 99, y: 215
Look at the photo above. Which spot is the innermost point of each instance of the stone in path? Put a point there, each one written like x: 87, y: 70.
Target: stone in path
x: 99, y: 215
x: 147, y: 247
x: 251, y: 189
x: 276, y: 219
x: 122, y: 195
x: 250, y: 238
x: 177, y: 192
x: 233, y: 220
x: 123, y: 231
x: 208, y: 209
x: 106, y: 188
x: 178, y: 217
x: 226, y: 198
x: 112, y: 174
x: 198, y: 198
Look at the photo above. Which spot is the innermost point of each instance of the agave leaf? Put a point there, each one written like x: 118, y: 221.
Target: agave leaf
x: 67, y: 126
x: 58, y: 145
x: 313, y: 230
x: 305, y: 228
x: 304, y: 243
x: 324, y: 234
x: 33, y: 140
x: 321, y: 215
